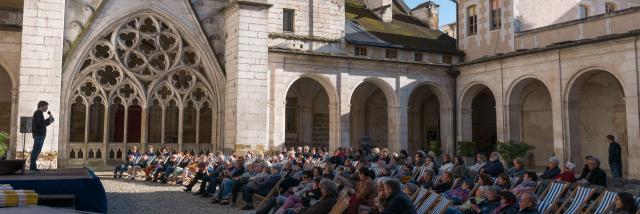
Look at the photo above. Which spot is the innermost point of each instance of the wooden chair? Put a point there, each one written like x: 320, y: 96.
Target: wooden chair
x: 602, y: 203
x: 441, y: 206
x: 551, y: 196
x: 342, y: 203
x: 574, y: 203
x: 274, y: 191
x: 428, y: 203
x: 419, y: 196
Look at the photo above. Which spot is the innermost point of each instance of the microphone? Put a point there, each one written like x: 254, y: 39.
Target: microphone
x: 49, y: 112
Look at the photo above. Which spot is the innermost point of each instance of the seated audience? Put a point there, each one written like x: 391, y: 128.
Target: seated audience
x: 365, y: 192
x: 447, y: 165
x: 528, y: 184
x: 396, y: 201
x: 503, y: 181
x: 528, y: 204
x: 507, y: 203
x: 444, y: 184
x: 568, y: 173
x: 624, y: 204
x: 596, y: 175
x: 518, y: 168
x: 459, y: 169
x: 494, y: 167
x: 459, y: 194
x: 474, y: 170
x: 552, y: 169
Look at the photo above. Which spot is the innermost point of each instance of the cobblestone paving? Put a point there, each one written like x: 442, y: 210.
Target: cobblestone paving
x: 129, y: 197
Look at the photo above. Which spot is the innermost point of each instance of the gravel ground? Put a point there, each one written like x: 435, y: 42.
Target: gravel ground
x: 129, y: 197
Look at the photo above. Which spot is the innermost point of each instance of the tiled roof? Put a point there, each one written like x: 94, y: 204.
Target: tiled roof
x: 404, y: 32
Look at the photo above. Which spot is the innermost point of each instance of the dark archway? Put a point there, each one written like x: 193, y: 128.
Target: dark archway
x: 307, y: 117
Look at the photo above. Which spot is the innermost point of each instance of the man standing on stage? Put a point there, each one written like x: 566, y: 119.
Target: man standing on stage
x: 39, y: 131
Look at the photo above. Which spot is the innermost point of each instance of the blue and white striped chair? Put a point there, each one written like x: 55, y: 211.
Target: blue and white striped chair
x: 422, y: 192
x: 551, y: 196
x: 428, y: 203
x: 441, y: 206
x: 578, y: 198
x: 636, y: 201
x: 514, y: 181
x: 602, y: 203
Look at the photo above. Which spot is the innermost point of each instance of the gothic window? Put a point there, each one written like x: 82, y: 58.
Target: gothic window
x: 205, y: 126
x: 96, y: 118
x: 141, y: 70
x: 78, y: 114
x: 189, y: 124
x: 288, y: 16
x: 472, y: 20
x: 496, y: 21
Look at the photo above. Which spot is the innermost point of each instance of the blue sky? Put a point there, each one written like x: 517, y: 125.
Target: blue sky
x: 447, y: 9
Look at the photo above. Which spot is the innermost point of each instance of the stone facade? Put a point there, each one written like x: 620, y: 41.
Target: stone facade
x: 218, y: 75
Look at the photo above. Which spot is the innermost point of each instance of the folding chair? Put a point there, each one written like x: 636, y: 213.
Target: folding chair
x: 428, y: 203
x: 419, y: 196
x: 514, y: 181
x: 636, y: 201
x: 441, y: 206
x: 274, y: 190
x: 602, y: 203
x: 550, y: 197
x: 578, y: 198
x: 456, y: 182
x: 341, y: 204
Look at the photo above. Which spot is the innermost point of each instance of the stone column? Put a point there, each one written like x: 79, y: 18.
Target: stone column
x: 246, y: 104
x: 394, y: 128
x: 305, y: 122
x: 41, y: 63
x: 334, y: 126
x: 15, y: 124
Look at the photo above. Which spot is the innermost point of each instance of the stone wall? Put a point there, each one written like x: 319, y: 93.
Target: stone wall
x: 41, y: 63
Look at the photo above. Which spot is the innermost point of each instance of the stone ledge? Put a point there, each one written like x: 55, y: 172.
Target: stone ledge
x: 302, y: 38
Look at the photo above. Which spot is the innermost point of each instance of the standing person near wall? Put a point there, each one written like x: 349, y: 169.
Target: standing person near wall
x: 39, y: 131
x: 615, y: 157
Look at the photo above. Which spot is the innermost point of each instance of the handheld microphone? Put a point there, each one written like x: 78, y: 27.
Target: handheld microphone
x: 49, y: 112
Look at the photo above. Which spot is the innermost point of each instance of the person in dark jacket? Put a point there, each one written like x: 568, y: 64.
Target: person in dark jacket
x: 518, y: 169
x: 552, y: 169
x: 596, y: 175
x: 329, y: 191
x: 494, y: 167
x: 491, y: 202
x: 39, y: 132
x: 260, y: 187
x: 396, y: 201
x: 507, y: 203
x: 444, y: 184
x: 585, y: 168
x: 528, y: 204
x: 615, y: 157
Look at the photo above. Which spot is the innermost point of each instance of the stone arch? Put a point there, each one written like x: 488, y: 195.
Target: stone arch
x: 374, y: 101
x: 145, y: 49
x: 596, y: 107
x: 307, y: 116
x: 477, y: 116
x: 429, y: 116
x: 529, y: 117
x: 7, y: 100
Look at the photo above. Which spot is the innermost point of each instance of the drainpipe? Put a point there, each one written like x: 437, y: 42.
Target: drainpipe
x: 635, y: 45
x: 454, y: 72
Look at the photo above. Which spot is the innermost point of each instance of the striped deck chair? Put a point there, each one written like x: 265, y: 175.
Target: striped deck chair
x: 514, y: 181
x: 636, y: 201
x: 441, y: 206
x: 494, y: 180
x: 436, y: 178
x: 419, y: 196
x: 576, y: 201
x: 428, y: 203
x: 602, y: 203
x: 550, y: 197
x: 341, y: 203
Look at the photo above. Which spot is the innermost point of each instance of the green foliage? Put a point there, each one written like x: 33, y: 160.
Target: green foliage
x: 4, y: 147
x: 435, y: 147
x: 511, y: 150
x: 466, y: 148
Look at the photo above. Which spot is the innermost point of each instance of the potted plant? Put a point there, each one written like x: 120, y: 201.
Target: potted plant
x: 511, y: 150
x: 4, y: 147
x: 466, y: 149
x: 435, y: 148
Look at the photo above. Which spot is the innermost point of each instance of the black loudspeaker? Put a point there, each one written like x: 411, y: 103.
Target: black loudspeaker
x: 25, y: 124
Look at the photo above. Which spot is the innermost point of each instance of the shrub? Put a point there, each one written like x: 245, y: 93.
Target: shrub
x: 4, y: 147
x: 435, y: 147
x: 511, y: 150
x: 466, y: 148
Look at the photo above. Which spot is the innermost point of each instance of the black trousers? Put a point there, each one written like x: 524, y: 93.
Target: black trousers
x: 195, y: 179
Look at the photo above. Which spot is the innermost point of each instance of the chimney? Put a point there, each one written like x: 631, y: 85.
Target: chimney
x: 382, y: 8
x: 427, y: 13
